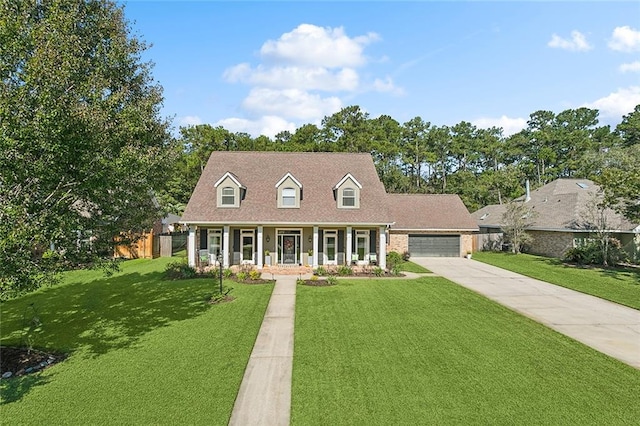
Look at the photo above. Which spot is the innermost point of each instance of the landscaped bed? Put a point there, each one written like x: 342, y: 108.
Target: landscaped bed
x: 141, y: 349
x: 427, y: 351
x: 619, y: 285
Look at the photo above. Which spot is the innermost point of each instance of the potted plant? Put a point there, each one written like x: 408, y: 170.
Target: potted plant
x: 267, y: 258
x: 468, y: 256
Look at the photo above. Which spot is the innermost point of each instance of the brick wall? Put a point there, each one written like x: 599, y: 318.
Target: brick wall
x: 550, y: 243
x: 398, y: 243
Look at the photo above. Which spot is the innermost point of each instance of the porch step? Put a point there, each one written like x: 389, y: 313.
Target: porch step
x: 287, y: 270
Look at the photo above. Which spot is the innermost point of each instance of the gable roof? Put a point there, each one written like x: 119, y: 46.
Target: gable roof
x: 437, y: 212
x: 316, y: 171
x: 230, y: 176
x: 559, y: 205
x: 288, y: 175
x: 344, y: 179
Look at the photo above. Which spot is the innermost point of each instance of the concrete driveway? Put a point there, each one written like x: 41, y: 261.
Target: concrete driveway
x: 605, y: 326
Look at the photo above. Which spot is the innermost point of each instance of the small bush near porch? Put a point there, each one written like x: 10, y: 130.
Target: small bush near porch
x: 426, y: 351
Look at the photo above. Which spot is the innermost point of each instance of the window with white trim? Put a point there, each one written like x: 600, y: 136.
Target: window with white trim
x: 228, y: 196
x: 288, y: 197
x: 348, y: 197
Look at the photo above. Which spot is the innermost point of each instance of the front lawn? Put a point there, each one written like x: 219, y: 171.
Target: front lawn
x: 408, y: 266
x: 620, y: 285
x: 428, y: 351
x: 143, y: 350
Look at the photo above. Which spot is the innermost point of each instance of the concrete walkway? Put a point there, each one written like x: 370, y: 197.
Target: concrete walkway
x: 605, y: 326
x: 265, y: 393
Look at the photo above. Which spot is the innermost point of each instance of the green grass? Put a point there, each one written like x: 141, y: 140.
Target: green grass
x: 408, y: 266
x: 143, y: 350
x: 620, y: 285
x: 426, y: 351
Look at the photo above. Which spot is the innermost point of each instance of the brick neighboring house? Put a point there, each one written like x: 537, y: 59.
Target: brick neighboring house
x: 561, y: 218
x: 305, y: 209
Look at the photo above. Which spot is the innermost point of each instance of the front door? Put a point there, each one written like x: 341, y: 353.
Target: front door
x: 289, y: 249
x: 247, y: 247
x: 330, y: 248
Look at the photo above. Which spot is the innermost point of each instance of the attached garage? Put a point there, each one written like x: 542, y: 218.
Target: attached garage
x: 434, y: 245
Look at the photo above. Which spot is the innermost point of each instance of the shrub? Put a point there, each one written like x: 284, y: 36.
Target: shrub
x: 393, y: 258
x: 241, y: 276
x: 395, y: 270
x: 300, y: 281
x: 179, y: 270
x: 320, y: 271
x: 378, y: 271
x: 332, y: 280
x: 227, y: 273
x: 255, y: 275
x: 314, y: 278
x: 592, y: 253
x: 345, y: 270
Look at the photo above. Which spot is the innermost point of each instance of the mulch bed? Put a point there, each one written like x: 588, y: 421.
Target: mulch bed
x: 250, y: 281
x: 317, y: 283
x: 21, y: 361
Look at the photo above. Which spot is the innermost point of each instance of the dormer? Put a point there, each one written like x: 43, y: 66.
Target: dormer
x: 229, y: 191
x: 288, y: 192
x: 347, y: 192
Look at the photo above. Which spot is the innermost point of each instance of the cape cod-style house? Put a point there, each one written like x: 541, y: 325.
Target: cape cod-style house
x: 304, y: 208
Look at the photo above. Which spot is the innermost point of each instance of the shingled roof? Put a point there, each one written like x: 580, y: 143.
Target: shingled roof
x: 430, y: 212
x: 318, y: 173
x: 559, y: 205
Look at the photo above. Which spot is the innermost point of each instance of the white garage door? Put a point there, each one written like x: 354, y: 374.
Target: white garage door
x: 434, y: 245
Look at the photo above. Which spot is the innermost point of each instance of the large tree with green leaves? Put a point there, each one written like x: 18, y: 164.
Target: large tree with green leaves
x: 82, y: 144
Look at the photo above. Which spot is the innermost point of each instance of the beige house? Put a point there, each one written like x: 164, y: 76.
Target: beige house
x: 563, y: 218
x: 293, y: 208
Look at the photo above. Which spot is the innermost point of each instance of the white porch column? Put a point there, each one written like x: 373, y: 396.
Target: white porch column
x: 191, y: 246
x: 260, y: 248
x: 383, y: 247
x: 347, y: 251
x: 314, y: 262
x: 225, y: 246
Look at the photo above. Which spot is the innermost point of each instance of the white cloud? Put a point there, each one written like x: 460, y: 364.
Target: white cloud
x: 310, y: 45
x: 301, y: 75
x: 293, y: 103
x: 617, y: 104
x: 509, y: 125
x: 268, y: 125
x: 307, y: 78
x: 387, y: 85
x: 625, y: 39
x: 630, y: 67
x: 190, y: 120
x: 578, y: 42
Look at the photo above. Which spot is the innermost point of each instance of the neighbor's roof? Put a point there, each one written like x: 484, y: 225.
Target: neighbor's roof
x: 317, y: 172
x: 559, y: 205
x: 430, y: 212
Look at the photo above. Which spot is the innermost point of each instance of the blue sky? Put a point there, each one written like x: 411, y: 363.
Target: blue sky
x: 264, y: 67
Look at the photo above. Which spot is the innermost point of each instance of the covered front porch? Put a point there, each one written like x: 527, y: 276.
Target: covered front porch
x: 287, y: 245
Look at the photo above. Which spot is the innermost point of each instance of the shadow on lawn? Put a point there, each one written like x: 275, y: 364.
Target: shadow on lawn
x: 110, y: 313
x: 620, y: 273
x: 13, y: 390
x: 98, y: 316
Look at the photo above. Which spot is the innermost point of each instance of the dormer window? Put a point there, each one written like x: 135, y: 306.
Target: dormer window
x: 230, y: 192
x: 347, y: 192
x: 228, y: 196
x: 288, y: 197
x: 348, y: 197
x: 288, y: 192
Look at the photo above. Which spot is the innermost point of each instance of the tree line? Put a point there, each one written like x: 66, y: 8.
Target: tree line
x: 483, y: 166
